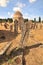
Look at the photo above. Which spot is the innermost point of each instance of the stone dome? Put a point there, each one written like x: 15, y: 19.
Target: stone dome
x: 17, y: 14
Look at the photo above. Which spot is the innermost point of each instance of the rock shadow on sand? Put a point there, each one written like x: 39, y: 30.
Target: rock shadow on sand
x: 16, y: 52
x: 6, y: 36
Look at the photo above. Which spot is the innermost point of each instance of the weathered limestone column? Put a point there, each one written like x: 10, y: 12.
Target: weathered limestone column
x: 11, y: 27
x: 27, y: 30
x: 15, y: 27
x: 23, y: 32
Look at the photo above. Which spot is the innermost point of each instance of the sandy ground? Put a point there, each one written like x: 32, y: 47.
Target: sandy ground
x: 34, y: 53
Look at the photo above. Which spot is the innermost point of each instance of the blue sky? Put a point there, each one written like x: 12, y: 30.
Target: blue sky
x: 29, y: 8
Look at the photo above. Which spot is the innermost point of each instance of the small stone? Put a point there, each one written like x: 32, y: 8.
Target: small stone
x: 41, y: 46
x: 18, y: 60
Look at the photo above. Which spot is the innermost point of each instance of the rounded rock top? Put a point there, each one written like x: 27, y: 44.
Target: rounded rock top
x: 17, y: 14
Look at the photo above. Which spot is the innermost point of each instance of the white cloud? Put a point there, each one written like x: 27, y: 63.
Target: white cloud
x: 26, y: 15
x: 3, y: 3
x: 8, y: 13
x: 16, y: 9
x: 11, y: 15
x: 2, y: 17
x: 31, y: 1
x: 21, y: 5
